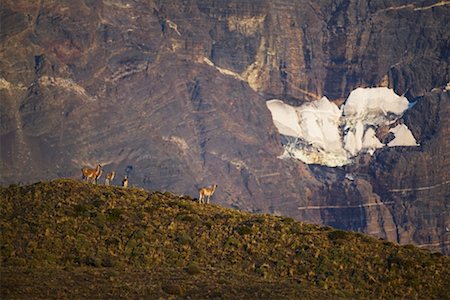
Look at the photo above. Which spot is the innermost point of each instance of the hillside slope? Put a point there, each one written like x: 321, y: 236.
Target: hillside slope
x: 72, y: 239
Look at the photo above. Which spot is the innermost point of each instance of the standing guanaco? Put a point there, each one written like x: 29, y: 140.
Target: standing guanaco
x: 97, y: 176
x: 92, y: 174
x: 208, y: 192
x: 125, y: 182
x: 110, y: 177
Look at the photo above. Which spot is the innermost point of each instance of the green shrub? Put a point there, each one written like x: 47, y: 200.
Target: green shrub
x: 98, y: 202
x: 298, y: 228
x: 184, y: 239
x: 108, y: 262
x: 410, y: 247
x: 17, y: 262
x: 91, y: 261
x: 168, y: 194
x: 188, y: 218
x: 114, y: 214
x: 338, y: 235
x: 232, y: 241
x: 172, y: 289
x: 185, y: 204
x: 173, y: 255
x: 243, y: 230
x: 112, y: 241
x: 208, y: 223
x: 437, y: 254
x: 262, y: 270
x: 155, y: 197
x: 258, y: 220
x: 82, y: 210
x: 288, y: 220
x: 193, y: 269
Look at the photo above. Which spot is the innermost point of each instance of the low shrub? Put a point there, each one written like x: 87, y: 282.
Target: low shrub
x: 193, y: 269
x: 188, y: 218
x: 184, y: 239
x: 114, y: 214
x: 338, y: 235
x: 243, y: 230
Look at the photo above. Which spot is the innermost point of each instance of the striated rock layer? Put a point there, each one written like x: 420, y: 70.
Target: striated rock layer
x: 172, y: 94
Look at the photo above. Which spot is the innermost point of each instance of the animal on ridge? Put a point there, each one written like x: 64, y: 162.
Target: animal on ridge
x: 206, y: 192
x: 92, y: 174
x: 110, y: 177
x: 125, y: 182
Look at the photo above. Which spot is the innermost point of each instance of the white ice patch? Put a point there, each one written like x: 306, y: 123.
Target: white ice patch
x: 313, y: 130
x: 320, y: 133
x: 318, y: 122
x: 285, y: 118
x: 370, y: 141
x: 403, y: 136
x: 374, y: 105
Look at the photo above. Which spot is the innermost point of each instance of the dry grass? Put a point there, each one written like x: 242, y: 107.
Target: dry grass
x: 70, y: 239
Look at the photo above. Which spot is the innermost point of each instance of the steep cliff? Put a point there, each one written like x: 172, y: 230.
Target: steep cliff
x: 173, y: 95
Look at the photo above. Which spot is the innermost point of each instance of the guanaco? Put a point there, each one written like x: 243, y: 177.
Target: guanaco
x: 110, y: 177
x: 208, y: 192
x: 125, y: 182
x: 92, y: 174
x: 97, y: 176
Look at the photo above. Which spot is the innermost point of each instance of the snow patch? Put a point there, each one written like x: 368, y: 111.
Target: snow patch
x: 374, y: 105
x: 318, y: 122
x: 285, y: 118
x: 403, y: 136
x: 370, y: 141
x: 321, y: 133
x: 312, y: 131
x: 222, y: 70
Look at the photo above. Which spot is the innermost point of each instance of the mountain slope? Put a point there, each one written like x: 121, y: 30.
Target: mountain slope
x: 160, y: 243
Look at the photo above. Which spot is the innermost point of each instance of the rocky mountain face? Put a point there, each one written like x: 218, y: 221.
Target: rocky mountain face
x: 172, y: 94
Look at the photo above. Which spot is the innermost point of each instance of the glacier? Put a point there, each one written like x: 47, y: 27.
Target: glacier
x: 320, y: 132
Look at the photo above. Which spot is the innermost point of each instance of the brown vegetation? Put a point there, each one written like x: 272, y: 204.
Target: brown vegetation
x: 67, y: 238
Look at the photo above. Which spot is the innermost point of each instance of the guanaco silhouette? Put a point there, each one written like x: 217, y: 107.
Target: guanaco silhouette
x: 125, y: 182
x: 206, y: 192
x: 110, y: 178
x: 92, y: 174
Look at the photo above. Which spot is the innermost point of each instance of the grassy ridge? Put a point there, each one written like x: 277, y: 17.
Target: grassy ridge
x: 172, y: 245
